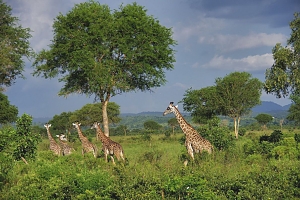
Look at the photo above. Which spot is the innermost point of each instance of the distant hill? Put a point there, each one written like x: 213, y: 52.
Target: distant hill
x: 271, y: 108
x: 268, y: 107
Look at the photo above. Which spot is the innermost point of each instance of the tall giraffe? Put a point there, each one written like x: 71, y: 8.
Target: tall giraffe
x: 53, y: 145
x: 66, y: 149
x: 194, y: 142
x: 87, y: 146
x: 109, y: 146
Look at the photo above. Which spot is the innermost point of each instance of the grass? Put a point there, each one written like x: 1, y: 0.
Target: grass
x: 155, y: 170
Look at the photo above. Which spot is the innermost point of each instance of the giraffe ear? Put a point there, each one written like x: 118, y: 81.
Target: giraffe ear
x: 176, y: 106
x: 57, y: 135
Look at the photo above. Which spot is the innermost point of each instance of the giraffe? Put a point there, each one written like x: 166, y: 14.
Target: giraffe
x: 109, y: 146
x: 66, y: 149
x: 87, y: 146
x: 194, y: 142
x: 53, y: 145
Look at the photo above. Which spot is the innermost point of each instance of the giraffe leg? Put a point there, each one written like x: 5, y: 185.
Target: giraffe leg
x: 113, y: 160
x: 105, y: 153
x: 190, y: 151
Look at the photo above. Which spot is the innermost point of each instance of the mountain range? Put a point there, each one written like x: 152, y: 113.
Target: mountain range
x: 267, y: 107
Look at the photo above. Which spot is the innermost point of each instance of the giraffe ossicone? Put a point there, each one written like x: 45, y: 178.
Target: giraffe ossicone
x: 194, y: 142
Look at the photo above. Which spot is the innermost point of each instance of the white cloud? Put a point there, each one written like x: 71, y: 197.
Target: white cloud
x: 198, y: 29
x: 249, y: 63
x: 236, y: 42
x: 181, y: 86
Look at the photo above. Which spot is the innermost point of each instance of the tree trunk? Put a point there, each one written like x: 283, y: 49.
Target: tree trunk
x: 105, y: 118
x: 238, y: 125
x: 235, y: 128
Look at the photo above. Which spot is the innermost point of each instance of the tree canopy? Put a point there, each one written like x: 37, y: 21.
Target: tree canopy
x: 263, y: 119
x: 283, y: 78
x: 8, y: 113
x: 233, y: 96
x: 14, y: 44
x: 102, y: 53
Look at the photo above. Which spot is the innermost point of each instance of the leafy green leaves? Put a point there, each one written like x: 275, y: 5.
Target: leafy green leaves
x: 283, y: 77
x: 14, y: 44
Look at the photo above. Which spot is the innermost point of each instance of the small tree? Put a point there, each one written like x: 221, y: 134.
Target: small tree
x: 263, y: 119
x: 232, y: 96
x: 25, y: 140
x: 173, y: 123
x: 8, y: 113
x: 152, y: 125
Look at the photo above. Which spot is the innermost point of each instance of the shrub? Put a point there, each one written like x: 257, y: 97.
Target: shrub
x: 242, y: 131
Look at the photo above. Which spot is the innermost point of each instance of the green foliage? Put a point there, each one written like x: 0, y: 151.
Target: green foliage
x: 263, y: 118
x: 26, y: 141
x: 233, y: 96
x: 156, y: 171
x: 202, y: 104
x: 152, y: 125
x: 188, y: 187
x: 242, y: 131
x: 14, y: 44
x: 8, y: 113
x: 91, y: 113
x: 220, y: 137
x: 294, y: 110
x: 283, y: 77
x: 102, y: 52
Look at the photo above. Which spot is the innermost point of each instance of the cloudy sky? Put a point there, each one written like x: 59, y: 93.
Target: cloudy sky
x: 214, y: 39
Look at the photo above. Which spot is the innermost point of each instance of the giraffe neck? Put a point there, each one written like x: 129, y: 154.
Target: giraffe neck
x: 49, y: 135
x: 102, y: 136
x: 181, y: 121
x: 81, y: 136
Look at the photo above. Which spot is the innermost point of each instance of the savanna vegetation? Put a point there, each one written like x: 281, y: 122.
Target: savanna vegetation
x: 262, y: 163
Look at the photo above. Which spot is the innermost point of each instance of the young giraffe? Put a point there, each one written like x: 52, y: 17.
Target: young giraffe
x: 66, y: 149
x: 108, y: 146
x: 87, y: 146
x: 194, y: 142
x: 53, y: 145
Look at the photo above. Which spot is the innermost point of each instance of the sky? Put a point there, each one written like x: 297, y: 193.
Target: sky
x: 214, y: 39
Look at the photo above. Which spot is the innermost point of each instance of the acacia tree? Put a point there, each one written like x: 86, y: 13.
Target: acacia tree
x: 14, y: 44
x: 232, y: 96
x: 103, y: 53
x: 283, y: 78
x: 263, y: 119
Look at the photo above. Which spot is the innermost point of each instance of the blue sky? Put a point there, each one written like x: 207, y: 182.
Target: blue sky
x: 214, y: 39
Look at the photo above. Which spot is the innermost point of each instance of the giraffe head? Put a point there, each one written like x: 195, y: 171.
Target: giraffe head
x: 95, y: 125
x: 62, y: 137
x: 76, y: 124
x: 170, y: 109
x: 47, y: 126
